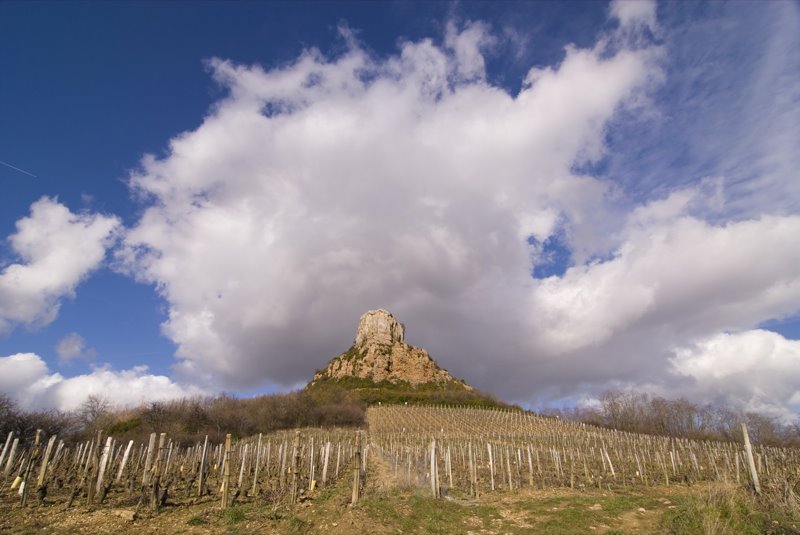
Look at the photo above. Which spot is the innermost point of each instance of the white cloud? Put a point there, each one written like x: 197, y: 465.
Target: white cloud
x: 466, y: 46
x: 756, y: 369
x: 327, y: 187
x: 762, y: 159
x: 727, y: 109
x: 635, y: 13
x: 27, y: 379
x: 696, y: 276
x: 57, y: 249
x: 73, y: 346
x: 321, y: 189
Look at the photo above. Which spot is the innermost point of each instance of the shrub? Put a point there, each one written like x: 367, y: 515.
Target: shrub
x: 234, y: 515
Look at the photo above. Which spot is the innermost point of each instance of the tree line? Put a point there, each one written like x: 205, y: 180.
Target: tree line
x: 642, y: 413
x: 187, y: 420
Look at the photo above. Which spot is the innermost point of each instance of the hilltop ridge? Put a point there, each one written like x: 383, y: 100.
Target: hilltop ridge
x: 382, y: 366
x: 380, y: 353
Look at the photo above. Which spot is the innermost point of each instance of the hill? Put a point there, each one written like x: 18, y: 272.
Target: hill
x: 381, y: 367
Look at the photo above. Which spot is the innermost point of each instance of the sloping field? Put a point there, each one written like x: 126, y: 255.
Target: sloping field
x: 475, y: 451
x: 416, y: 470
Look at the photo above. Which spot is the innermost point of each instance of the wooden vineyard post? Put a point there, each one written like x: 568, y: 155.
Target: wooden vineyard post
x: 201, y: 474
x: 282, y: 455
x: 34, y: 455
x: 258, y: 461
x: 357, y: 469
x: 10, y: 460
x: 6, y: 446
x: 530, y: 467
x: 491, y: 464
x: 93, y: 464
x: 327, y: 454
x: 124, y: 461
x: 571, y: 471
x: 471, y: 473
x: 610, y: 466
x: 295, y: 466
x: 750, y: 463
x: 148, y: 460
x: 269, y: 451
x: 155, y: 480
x: 102, y: 468
x: 364, y: 459
x: 41, y: 488
x: 241, y: 470
x: 508, y: 468
x: 311, y: 474
x: 449, y: 467
x: 338, y: 458
x: 434, y: 471
x: 226, y: 472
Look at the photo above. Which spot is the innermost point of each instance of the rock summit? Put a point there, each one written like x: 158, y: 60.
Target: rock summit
x: 380, y: 353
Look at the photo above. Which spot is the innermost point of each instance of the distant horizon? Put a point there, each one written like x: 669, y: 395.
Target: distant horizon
x: 557, y: 199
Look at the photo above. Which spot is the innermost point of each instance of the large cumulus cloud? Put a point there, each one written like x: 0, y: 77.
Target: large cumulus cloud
x: 317, y: 190
x: 321, y: 189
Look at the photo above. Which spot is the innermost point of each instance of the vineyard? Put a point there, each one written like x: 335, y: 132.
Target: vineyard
x: 469, y: 455
x: 474, y: 451
x: 275, y: 468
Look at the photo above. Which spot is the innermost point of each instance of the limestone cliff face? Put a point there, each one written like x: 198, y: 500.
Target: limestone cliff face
x: 381, y: 354
x: 379, y: 327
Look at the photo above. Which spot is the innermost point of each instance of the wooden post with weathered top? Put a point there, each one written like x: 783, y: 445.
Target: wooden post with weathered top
x: 151, y: 446
x: 155, y: 477
x: 94, y: 463
x: 6, y: 445
x: 226, y: 472
x: 41, y: 487
x: 434, y: 474
x: 35, y: 452
x: 202, y: 469
x: 357, y: 469
x: 750, y: 463
x: 254, y: 492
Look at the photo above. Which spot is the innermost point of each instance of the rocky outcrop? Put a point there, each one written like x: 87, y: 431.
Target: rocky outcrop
x: 379, y: 327
x: 381, y: 354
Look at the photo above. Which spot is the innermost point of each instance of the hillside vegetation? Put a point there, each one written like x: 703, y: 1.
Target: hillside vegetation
x: 189, y: 420
x: 403, y: 392
x: 642, y: 413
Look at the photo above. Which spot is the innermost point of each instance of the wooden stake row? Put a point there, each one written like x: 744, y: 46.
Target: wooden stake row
x: 486, y: 450
x: 148, y: 473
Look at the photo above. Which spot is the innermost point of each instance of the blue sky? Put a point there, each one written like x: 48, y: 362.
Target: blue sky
x: 555, y: 198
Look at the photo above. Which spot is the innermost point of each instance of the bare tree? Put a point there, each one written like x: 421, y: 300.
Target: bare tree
x: 95, y: 412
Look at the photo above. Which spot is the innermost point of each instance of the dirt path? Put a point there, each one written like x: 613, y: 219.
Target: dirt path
x: 380, y: 474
